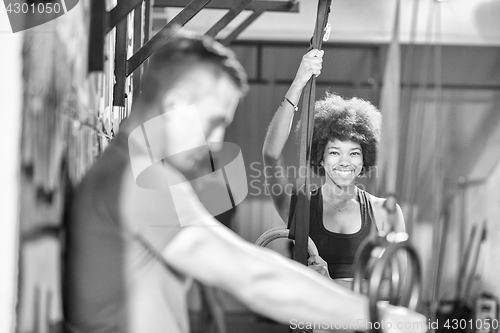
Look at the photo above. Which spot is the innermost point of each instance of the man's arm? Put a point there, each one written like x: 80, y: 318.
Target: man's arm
x: 279, y: 130
x: 267, y: 282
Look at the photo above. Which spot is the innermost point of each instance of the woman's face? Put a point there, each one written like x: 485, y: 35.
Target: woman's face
x: 343, y: 161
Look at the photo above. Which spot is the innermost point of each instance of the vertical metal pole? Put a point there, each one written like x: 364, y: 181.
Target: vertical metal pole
x: 138, y: 40
x: 120, y: 61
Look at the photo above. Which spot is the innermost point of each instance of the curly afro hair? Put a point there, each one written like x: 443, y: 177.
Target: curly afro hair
x: 353, y: 120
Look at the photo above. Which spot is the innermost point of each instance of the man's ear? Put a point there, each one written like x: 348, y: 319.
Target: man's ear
x: 173, y: 99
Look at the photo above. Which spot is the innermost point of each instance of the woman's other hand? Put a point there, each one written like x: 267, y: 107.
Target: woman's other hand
x: 318, y: 264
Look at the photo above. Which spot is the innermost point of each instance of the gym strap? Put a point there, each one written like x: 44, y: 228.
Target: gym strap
x: 299, y: 226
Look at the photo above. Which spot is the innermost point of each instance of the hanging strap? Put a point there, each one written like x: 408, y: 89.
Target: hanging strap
x: 389, y: 105
x: 299, y: 226
x: 291, y: 214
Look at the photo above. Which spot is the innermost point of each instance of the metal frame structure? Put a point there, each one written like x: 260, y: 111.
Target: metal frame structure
x: 103, y: 21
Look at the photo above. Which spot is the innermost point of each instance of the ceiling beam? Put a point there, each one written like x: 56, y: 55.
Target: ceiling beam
x: 256, y: 5
x: 239, y: 29
x: 164, y: 34
x: 226, y: 19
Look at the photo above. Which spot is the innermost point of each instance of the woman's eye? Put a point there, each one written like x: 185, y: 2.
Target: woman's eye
x: 356, y: 153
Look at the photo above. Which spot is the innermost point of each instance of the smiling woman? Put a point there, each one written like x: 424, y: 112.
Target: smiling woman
x: 345, y: 138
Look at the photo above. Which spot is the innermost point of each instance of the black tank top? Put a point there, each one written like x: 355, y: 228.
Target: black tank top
x: 339, y: 250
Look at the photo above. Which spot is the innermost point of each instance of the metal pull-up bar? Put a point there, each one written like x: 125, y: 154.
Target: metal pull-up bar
x: 102, y: 22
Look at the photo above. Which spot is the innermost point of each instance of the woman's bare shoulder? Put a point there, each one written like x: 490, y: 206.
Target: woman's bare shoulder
x: 381, y: 214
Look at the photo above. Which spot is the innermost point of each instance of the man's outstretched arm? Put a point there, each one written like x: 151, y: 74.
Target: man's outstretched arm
x: 269, y: 283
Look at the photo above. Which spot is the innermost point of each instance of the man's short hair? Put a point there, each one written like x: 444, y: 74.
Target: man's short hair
x: 181, y: 54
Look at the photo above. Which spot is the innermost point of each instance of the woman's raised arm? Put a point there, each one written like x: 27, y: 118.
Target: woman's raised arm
x: 279, y: 130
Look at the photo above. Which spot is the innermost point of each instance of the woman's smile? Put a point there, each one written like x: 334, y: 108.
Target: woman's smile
x: 344, y: 173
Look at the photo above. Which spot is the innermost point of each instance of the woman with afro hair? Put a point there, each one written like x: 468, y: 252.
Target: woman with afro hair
x: 344, y: 146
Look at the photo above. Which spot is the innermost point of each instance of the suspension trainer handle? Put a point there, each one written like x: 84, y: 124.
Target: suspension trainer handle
x: 369, y: 265
x: 411, y: 299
